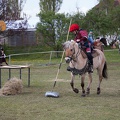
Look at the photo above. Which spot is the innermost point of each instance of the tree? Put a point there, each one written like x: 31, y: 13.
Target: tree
x: 11, y: 9
x: 78, y: 18
x: 98, y: 21
x: 52, y: 26
x: 50, y: 5
x: 115, y: 16
x: 101, y: 18
x: 106, y: 5
x: 53, y: 29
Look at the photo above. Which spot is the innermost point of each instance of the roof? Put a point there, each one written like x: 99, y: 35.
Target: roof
x: 18, y: 25
x: 116, y: 2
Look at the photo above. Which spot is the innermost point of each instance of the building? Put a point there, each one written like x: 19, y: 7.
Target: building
x: 18, y: 33
x: 23, y: 38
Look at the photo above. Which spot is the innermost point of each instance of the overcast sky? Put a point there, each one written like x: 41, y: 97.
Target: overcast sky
x: 32, y: 8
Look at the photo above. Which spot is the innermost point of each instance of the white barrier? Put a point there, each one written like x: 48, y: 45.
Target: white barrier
x: 47, y: 52
x: 49, y: 57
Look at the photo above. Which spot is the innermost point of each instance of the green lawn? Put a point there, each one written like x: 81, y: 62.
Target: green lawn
x: 33, y: 105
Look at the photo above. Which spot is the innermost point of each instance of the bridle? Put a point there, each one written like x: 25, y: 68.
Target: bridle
x: 75, y: 55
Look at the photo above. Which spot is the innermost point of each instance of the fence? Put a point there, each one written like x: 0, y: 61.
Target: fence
x: 38, y: 58
x: 41, y: 58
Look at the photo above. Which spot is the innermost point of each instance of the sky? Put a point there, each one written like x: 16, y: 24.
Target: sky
x: 31, y: 8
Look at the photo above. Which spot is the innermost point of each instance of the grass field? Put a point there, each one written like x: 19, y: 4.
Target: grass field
x: 33, y: 105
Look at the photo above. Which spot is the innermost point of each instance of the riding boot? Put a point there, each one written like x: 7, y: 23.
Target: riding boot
x: 90, y: 58
x: 91, y: 68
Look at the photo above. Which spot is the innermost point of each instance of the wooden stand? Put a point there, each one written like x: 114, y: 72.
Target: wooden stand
x: 20, y: 67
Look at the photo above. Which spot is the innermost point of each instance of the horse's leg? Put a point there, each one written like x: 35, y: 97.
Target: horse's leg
x: 100, y: 80
x: 82, y: 85
x: 72, y: 84
x: 89, y: 84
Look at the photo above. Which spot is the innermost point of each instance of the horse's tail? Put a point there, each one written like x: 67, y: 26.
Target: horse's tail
x: 104, y: 72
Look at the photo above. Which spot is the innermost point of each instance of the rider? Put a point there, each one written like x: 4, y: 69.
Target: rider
x: 90, y: 37
x: 2, y: 59
x: 81, y: 38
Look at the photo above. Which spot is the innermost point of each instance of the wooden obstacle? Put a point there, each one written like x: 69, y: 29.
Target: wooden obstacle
x: 20, y: 67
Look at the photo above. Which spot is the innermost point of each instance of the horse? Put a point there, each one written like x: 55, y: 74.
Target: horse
x: 79, y: 65
x: 98, y: 44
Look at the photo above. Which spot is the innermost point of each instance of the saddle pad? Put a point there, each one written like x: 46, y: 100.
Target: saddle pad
x: 94, y: 54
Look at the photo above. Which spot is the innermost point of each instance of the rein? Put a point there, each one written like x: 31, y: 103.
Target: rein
x: 77, y: 54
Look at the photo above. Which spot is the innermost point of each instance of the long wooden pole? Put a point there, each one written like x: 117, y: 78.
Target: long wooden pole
x: 62, y: 56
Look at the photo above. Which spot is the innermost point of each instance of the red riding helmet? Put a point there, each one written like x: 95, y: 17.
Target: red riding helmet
x: 74, y: 27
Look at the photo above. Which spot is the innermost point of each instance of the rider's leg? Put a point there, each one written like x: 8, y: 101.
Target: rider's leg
x: 90, y: 58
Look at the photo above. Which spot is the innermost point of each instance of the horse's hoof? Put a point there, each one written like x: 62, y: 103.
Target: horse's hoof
x: 76, y: 90
x: 98, y: 91
x: 83, y: 95
x: 88, y: 91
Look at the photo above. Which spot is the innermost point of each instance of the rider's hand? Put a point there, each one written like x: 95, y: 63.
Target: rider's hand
x: 78, y: 40
x: 84, y: 39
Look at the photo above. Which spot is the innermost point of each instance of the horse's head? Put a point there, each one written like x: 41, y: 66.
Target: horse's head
x: 69, y: 48
x: 104, y: 41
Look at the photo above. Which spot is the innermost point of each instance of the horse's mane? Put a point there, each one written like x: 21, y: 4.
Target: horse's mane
x: 68, y: 43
